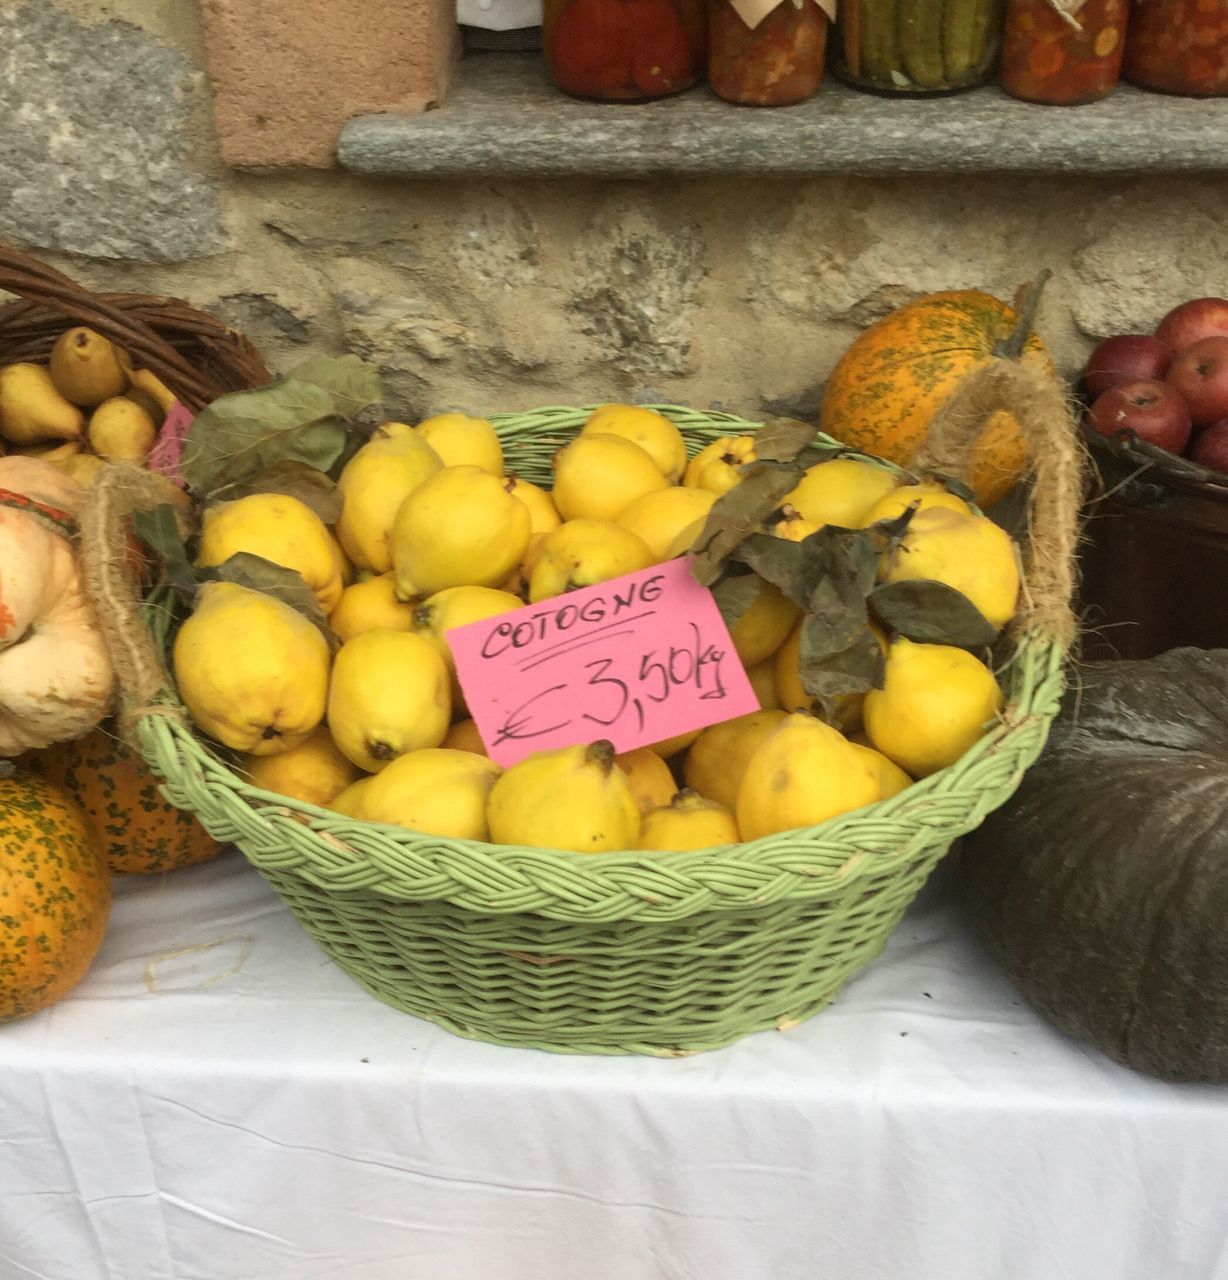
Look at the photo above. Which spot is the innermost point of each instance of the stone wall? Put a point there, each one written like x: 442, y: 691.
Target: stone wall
x: 486, y: 296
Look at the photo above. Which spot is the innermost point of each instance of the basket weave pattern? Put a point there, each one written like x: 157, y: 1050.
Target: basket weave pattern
x: 617, y: 952
x: 197, y: 356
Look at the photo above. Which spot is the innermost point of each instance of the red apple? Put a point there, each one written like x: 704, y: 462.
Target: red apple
x: 1200, y: 375
x: 1211, y: 446
x: 1192, y: 321
x: 1153, y: 410
x: 1127, y: 357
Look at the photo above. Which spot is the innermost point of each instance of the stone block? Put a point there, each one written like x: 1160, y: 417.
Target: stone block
x: 94, y: 150
x: 287, y: 74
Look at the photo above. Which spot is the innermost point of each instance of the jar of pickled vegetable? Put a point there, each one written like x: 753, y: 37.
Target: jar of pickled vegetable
x: 624, y: 50
x: 1179, y: 46
x: 1062, y: 52
x: 766, y: 53
x: 917, y: 46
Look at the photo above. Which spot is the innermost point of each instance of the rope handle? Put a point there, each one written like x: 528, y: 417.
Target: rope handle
x: 1032, y: 394
x: 118, y: 492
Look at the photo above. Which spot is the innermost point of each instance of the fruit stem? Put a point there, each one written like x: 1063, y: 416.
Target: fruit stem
x: 601, y: 753
x: 1012, y: 348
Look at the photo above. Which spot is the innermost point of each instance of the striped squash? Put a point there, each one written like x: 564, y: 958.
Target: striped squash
x: 887, y: 386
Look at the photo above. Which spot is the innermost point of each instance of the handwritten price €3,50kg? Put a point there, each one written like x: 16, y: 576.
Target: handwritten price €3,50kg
x: 621, y: 688
x: 636, y: 660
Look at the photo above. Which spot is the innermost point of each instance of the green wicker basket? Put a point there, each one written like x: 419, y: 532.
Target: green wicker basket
x: 614, y: 953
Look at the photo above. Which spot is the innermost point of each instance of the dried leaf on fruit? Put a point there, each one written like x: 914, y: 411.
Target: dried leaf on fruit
x: 932, y: 613
x: 839, y: 654
x: 830, y: 671
x: 735, y: 593
x: 738, y: 515
x: 794, y: 567
x: 312, y: 487
x: 286, y: 585
x: 165, y: 603
x: 782, y: 439
x: 302, y: 417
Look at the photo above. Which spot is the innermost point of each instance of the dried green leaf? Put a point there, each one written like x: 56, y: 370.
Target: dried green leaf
x: 794, y: 567
x: 734, y: 594
x: 738, y: 515
x: 286, y: 585
x: 159, y: 531
x: 932, y: 613
x: 837, y: 657
x: 958, y: 487
x: 296, y: 479
x: 839, y: 654
x: 782, y: 439
x: 303, y: 417
x: 167, y: 602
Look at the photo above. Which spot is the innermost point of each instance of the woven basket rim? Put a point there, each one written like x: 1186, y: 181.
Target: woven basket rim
x: 342, y: 854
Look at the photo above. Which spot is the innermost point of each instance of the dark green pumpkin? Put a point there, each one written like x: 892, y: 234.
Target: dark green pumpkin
x: 1102, y: 885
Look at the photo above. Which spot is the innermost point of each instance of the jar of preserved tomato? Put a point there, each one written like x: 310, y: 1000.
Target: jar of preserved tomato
x: 766, y: 53
x: 1179, y: 46
x: 1062, y: 52
x: 624, y: 50
x: 917, y: 46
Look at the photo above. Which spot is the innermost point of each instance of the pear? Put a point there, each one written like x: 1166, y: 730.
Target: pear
x: 373, y: 484
x: 86, y: 368
x: 717, y: 760
x: 389, y: 696
x: 457, y: 607
x: 459, y: 528
x: 121, y: 430
x: 661, y: 517
x: 652, y: 783
x: 803, y: 773
x: 252, y: 671
x: 936, y: 701
x: 278, y: 528
x: 717, y: 465
x: 370, y: 604
x: 32, y: 409
x: 581, y: 553
x: 598, y: 476
x: 314, y: 771
x: 436, y: 791
x: 652, y: 431
x: 573, y: 798
x: 969, y: 553
x: 689, y: 821
x: 463, y: 441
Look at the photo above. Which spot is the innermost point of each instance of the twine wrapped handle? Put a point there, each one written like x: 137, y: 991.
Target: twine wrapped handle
x: 1046, y: 419
x: 118, y: 492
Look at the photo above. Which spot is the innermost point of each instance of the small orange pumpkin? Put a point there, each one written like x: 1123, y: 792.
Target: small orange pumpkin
x: 55, y: 894
x: 888, y: 385
x: 139, y: 832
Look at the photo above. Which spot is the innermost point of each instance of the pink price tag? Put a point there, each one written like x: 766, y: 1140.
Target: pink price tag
x: 636, y: 660
x: 167, y: 452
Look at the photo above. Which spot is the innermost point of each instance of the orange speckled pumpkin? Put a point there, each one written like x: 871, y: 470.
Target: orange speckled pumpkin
x: 55, y: 895
x: 891, y: 381
x: 140, y: 833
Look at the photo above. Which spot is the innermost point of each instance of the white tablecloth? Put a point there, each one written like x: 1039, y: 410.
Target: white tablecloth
x: 245, y: 1112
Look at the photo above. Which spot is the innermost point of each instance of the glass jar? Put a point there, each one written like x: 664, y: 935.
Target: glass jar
x: 1062, y: 52
x: 769, y: 62
x: 917, y: 46
x: 624, y: 50
x: 1179, y: 46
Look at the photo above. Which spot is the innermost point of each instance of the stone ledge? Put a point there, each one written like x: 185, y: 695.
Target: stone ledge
x: 503, y: 118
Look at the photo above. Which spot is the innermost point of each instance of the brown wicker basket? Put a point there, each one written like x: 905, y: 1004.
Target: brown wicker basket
x: 199, y: 358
